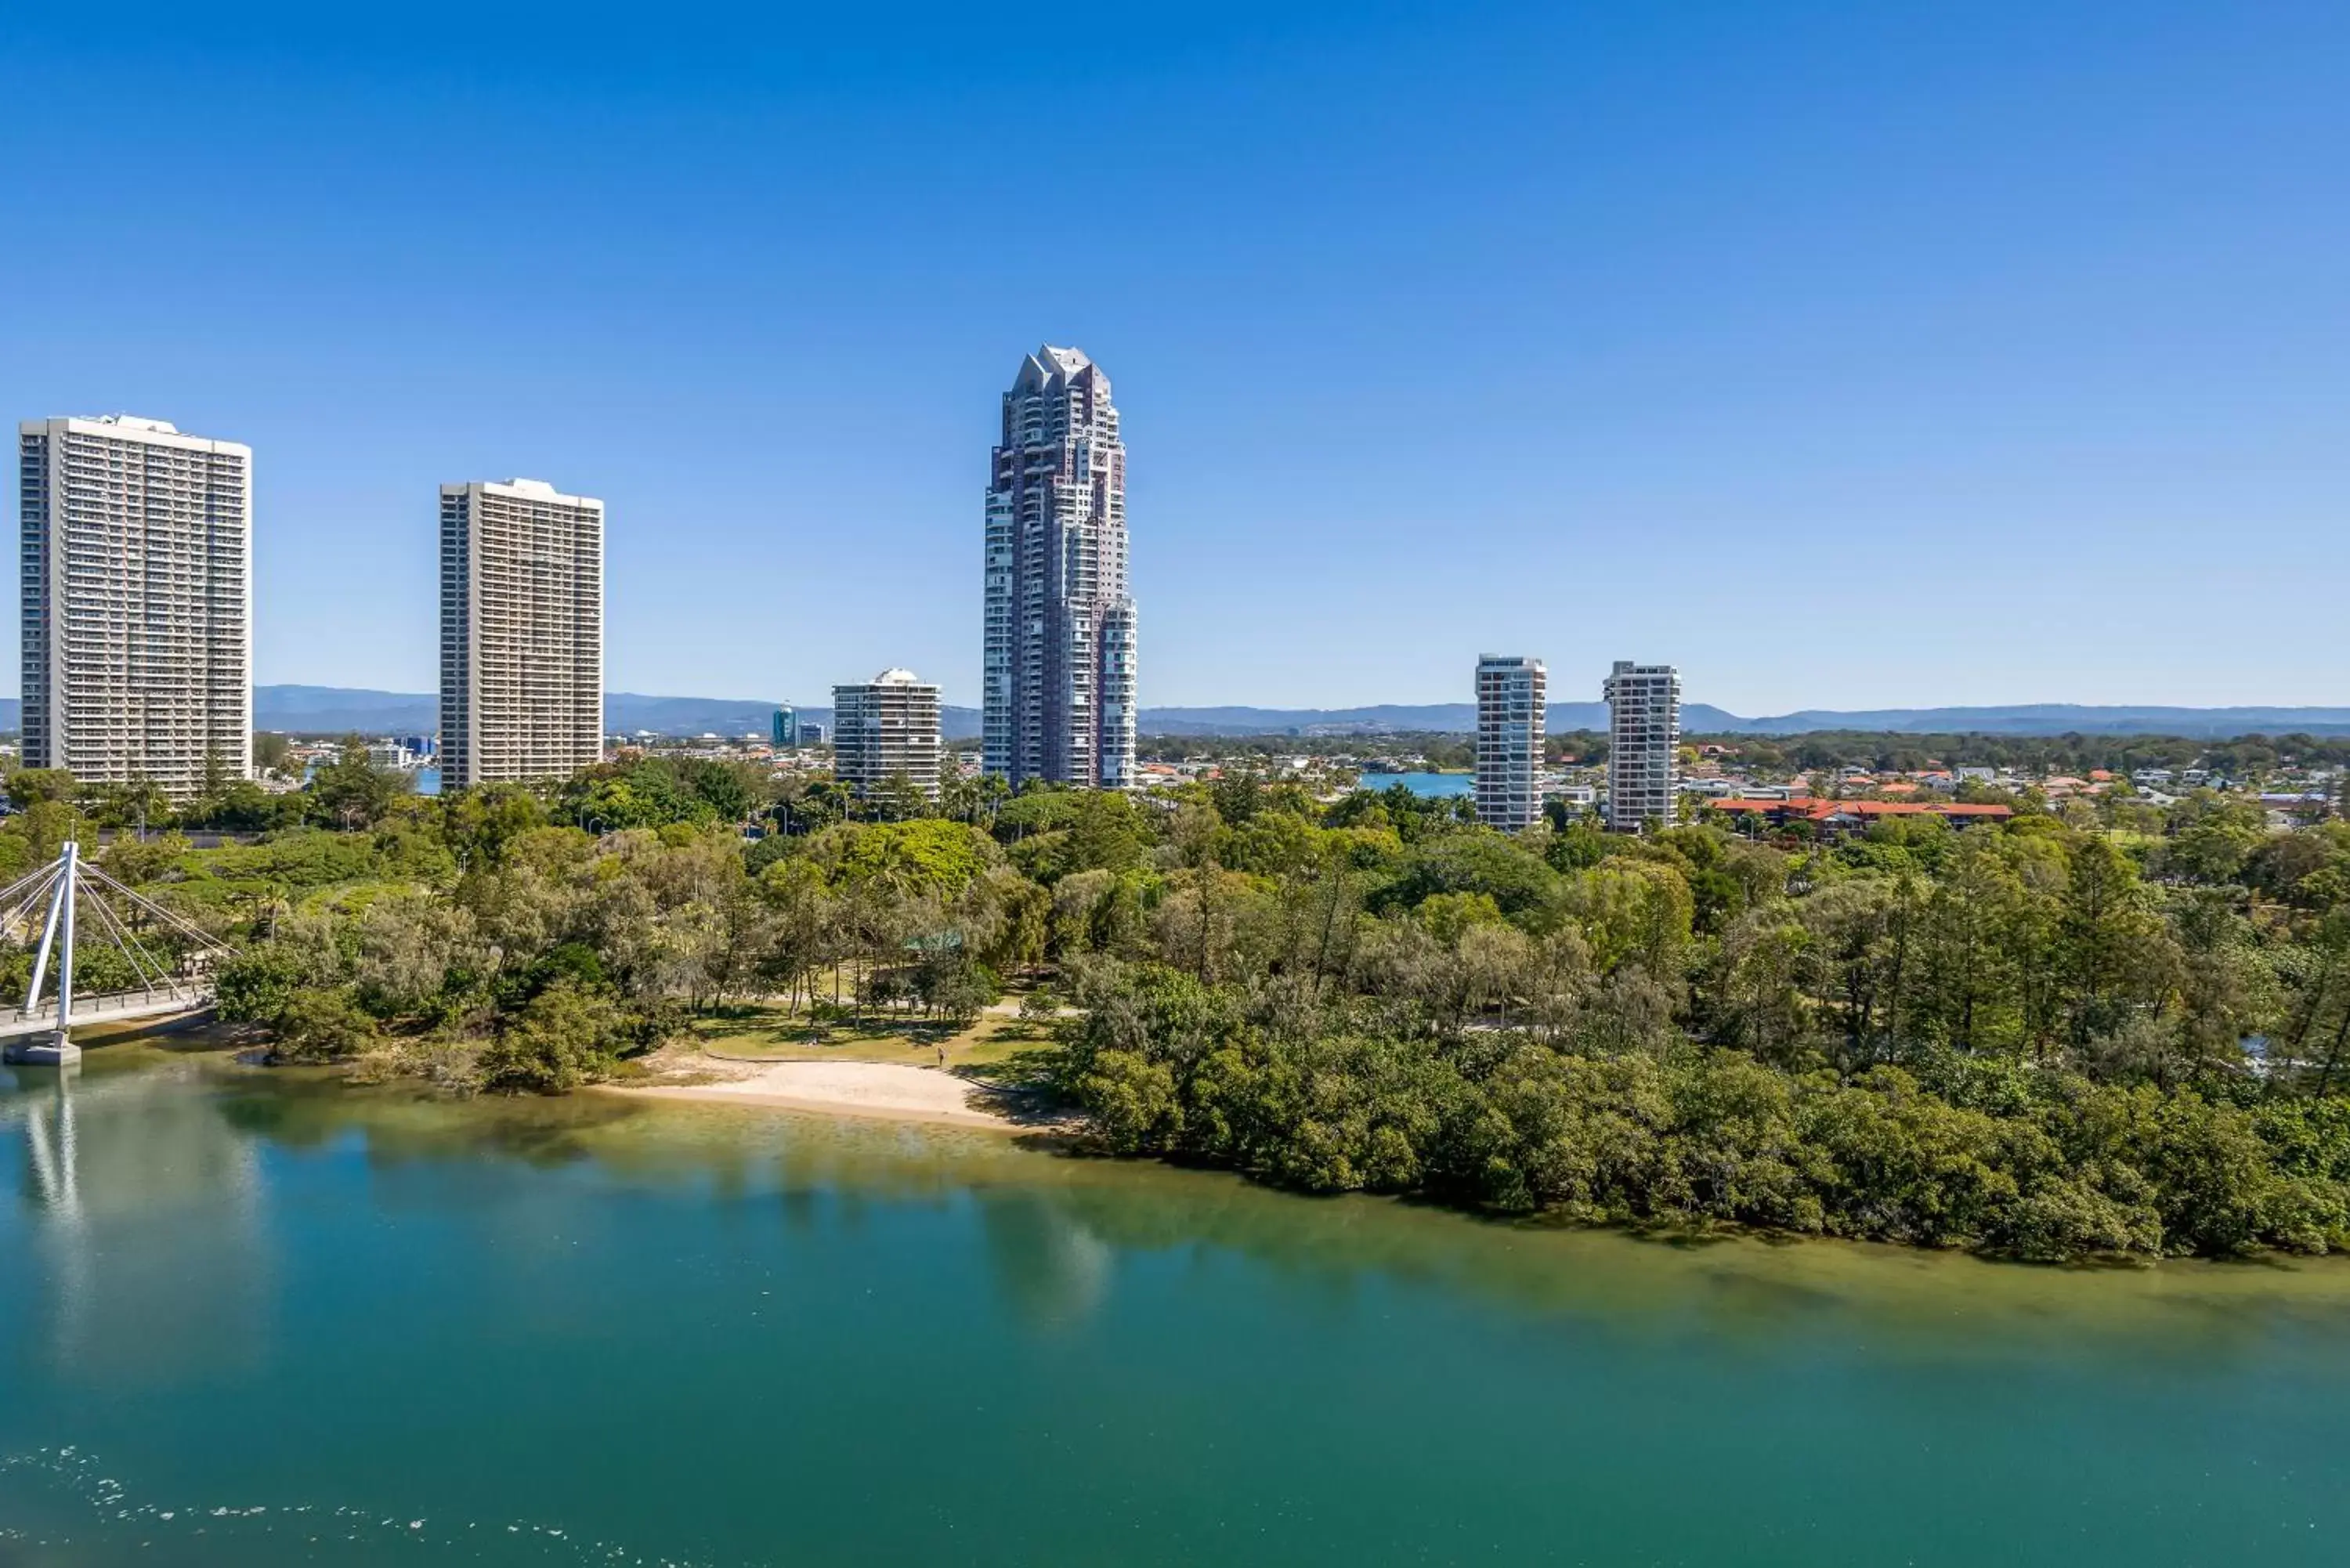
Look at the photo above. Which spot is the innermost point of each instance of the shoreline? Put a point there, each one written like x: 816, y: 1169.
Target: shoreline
x: 874, y: 1091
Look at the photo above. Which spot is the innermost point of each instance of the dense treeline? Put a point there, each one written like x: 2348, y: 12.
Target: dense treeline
x: 523, y: 954
x: 344, y: 792
x: 2050, y: 1040
x: 1613, y: 1117
x: 2110, y: 1030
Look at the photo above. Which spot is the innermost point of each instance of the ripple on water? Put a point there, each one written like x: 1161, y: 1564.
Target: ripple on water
x: 63, y: 1498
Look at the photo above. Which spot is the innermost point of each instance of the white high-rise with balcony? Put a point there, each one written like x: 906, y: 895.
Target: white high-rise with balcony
x: 886, y: 729
x: 1058, y: 671
x: 1644, y: 737
x: 136, y: 575
x: 522, y: 631
x: 1509, y: 695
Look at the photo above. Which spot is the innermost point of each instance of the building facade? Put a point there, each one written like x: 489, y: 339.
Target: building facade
x: 886, y: 729
x: 1644, y: 735
x: 1511, y: 691
x: 786, y: 729
x: 137, y: 576
x: 522, y: 632
x: 1058, y: 667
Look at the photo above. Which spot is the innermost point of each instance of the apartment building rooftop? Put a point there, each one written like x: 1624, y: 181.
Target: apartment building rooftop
x: 121, y: 426
x: 525, y: 489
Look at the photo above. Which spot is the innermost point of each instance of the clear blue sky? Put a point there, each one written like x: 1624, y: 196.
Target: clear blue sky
x: 1844, y: 354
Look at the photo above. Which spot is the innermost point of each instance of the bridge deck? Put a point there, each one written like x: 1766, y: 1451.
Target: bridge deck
x: 109, y: 1007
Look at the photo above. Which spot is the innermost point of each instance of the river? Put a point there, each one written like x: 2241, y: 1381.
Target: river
x: 257, y: 1318
x: 1441, y: 785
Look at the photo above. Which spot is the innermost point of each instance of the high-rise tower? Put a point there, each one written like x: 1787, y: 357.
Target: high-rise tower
x: 138, y: 602
x: 522, y: 632
x: 1644, y: 736
x: 886, y: 729
x: 1058, y: 676
x: 1510, y: 692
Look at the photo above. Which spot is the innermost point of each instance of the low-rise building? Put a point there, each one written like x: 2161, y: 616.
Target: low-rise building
x: 1836, y: 816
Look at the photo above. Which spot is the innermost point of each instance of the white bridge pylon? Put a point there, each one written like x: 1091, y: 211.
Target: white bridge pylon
x: 39, y: 1032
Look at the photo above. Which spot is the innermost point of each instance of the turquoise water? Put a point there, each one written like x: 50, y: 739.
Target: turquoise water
x: 1437, y: 785
x: 258, y: 1319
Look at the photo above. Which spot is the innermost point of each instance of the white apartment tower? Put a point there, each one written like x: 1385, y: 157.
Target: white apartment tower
x: 522, y: 632
x: 884, y: 729
x: 136, y: 575
x: 1510, y: 696
x: 1057, y: 700
x: 1644, y: 732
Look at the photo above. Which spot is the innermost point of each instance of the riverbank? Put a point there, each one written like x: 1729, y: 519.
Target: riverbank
x: 889, y: 1091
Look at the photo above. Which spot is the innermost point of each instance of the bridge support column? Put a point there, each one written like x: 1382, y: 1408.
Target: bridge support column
x: 55, y: 1049
x: 52, y: 1050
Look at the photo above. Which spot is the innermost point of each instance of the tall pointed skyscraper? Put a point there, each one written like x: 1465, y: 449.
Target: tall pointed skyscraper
x: 1058, y: 696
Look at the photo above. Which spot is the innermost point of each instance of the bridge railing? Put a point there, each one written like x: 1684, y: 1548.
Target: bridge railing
x: 88, y: 1003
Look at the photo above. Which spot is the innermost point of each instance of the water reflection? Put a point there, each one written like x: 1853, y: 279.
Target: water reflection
x: 49, y: 1148
x: 144, y: 1211
x: 1053, y: 1271
x: 180, y: 1151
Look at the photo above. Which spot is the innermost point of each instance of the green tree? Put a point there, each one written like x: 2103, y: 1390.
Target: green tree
x: 30, y: 786
x: 321, y: 1025
x: 566, y: 1035
x: 272, y: 751
x: 352, y: 791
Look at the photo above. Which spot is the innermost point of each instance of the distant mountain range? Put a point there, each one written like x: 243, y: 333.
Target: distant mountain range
x: 1700, y: 718
x: 334, y: 709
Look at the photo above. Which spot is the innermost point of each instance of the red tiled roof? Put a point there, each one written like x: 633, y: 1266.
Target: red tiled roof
x: 1916, y: 808
x: 1819, y: 810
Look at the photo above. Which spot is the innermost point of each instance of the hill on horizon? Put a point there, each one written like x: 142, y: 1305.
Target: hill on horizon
x: 321, y: 709
x: 1703, y: 719
x: 337, y: 710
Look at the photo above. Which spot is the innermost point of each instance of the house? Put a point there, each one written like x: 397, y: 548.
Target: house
x: 1852, y: 815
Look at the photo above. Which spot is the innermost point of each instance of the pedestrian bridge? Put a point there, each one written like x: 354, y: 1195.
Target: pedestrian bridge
x: 106, y: 1007
x: 170, y: 957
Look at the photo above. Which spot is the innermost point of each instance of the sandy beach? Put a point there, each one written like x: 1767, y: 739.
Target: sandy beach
x: 887, y: 1090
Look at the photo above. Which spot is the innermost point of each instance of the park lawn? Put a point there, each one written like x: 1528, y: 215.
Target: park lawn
x: 771, y: 1033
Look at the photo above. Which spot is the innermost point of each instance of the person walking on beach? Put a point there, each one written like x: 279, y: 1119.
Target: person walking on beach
x: 942, y: 1054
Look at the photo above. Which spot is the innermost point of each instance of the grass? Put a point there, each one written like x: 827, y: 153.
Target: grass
x: 771, y: 1033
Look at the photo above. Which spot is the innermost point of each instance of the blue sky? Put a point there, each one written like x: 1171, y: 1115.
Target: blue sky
x: 1845, y: 355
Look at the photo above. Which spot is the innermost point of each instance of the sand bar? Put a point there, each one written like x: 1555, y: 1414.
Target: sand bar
x: 885, y: 1089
